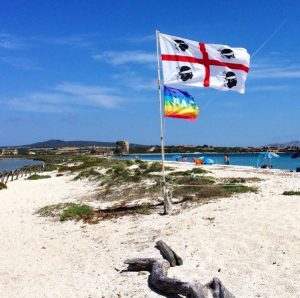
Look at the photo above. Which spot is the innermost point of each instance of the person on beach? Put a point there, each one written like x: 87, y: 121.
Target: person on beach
x: 225, y: 159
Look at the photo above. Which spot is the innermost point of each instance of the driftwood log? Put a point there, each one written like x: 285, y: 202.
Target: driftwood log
x: 168, y: 254
x: 158, y: 269
x: 217, y: 289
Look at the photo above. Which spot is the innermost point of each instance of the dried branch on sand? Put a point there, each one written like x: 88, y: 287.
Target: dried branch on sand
x: 158, y: 269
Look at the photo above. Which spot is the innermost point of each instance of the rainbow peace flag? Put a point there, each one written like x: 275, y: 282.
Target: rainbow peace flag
x: 179, y: 104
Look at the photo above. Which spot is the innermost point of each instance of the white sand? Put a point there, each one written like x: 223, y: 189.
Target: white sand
x: 253, y: 240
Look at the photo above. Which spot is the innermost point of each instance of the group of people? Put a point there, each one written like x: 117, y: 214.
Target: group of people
x: 198, y: 161
x: 184, y: 159
x: 226, y: 160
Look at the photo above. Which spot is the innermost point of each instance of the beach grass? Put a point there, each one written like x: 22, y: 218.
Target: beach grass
x: 189, y: 172
x: 66, y: 211
x: 206, y: 187
x: 52, y: 210
x: 89, y: 173
x: 38, y: 177
x: 2, y: 186
x: 291, y: 193
x: 76, y: 211
x: 125, y: 182
x: 240, y: 188
x: 233, y: 180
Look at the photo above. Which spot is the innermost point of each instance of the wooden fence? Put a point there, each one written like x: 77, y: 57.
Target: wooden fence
x: 22, y: 172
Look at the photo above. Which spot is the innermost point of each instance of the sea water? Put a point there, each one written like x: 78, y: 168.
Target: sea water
x: 284, y: 161
x: 7, y: 164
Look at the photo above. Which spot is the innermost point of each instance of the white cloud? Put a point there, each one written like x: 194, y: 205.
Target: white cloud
x: 276, y: 73
x: 135, y: 81
x: 78, y: 41
x: 141, y: 39
x: 38, y: 102
x: 268, y: 88
x: 64, y: 97
x: 10, y: 42
x: 275, y: 69
x: 21, y: 63
x: 119, y: 58
x: 91, y: 95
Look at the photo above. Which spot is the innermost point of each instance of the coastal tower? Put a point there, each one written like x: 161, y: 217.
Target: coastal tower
x: 122, y: 148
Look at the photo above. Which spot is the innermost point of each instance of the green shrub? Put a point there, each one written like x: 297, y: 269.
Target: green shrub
x: 154, y: 167
x: 143, y: 165
x: 239, y: 188
x: 233, y: 180
x: 75, y: 211
x: 63, y: 169
x: 129, y: 162
x: 89, y: 173
x: 119, y: 168
x: 179, y: 173
x: 88, y: 162
x: 188, y: 173
x: 137, y: 175
x: 291, y: 193
x: 208, y: 191
x: 197, y: 171
x: 2, y: 186
x: 52, y: 210
x: 138, y: 161
x: 51, y: 167
x: 37, y: 177
x: 193, y: 180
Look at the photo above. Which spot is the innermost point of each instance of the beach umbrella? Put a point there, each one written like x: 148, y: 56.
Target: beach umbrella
x: 207, y: 160
x: 296, y: 154
x: 265, y: 156
x: 272, y: 154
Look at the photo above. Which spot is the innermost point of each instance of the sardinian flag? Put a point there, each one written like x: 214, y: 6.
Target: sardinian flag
x: 198, y: 64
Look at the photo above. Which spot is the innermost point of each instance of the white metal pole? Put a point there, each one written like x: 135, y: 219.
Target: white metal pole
x: 161, y: 122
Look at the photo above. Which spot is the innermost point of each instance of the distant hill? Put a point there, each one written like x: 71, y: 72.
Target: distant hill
x: 60, y: 143
x: 287, y: 144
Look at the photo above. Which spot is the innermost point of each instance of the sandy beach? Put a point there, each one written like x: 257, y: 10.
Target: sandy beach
x: 250, y: 241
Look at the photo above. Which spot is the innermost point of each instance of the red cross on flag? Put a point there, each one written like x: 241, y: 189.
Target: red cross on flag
x: 199, y: 64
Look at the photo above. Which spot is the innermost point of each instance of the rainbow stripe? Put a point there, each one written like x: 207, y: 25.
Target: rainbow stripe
x: 179, y: 104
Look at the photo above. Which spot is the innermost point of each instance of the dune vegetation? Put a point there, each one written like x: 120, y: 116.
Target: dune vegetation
x: 134, y: 186
x: 2, y: 185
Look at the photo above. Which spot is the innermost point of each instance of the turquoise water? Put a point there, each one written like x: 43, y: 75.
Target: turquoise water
x: 283, y: 162
x: 7, y: 164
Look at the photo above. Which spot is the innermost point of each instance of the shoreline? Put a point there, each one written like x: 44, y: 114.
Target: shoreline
x: 220, y: 164
x: 36, y: 163
x: 205, y: 152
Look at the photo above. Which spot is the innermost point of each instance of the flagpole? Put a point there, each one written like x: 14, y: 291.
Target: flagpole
x: 167, y: 203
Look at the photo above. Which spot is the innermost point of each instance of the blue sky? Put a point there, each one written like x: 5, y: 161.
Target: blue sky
x: 86, y: 70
